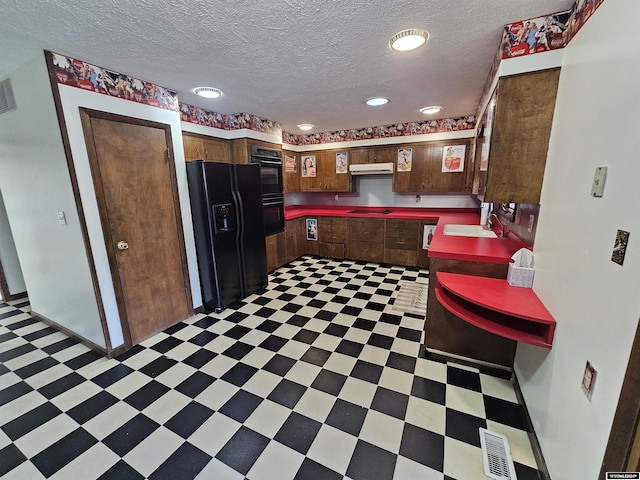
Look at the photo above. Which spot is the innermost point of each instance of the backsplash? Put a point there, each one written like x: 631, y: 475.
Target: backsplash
x: 520, y: 225
x: 376, y: 191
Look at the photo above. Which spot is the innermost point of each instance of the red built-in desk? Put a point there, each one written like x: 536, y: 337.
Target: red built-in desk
x: 497, y: 307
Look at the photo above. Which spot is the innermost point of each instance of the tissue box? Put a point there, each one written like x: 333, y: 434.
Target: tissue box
x: 520, y: 276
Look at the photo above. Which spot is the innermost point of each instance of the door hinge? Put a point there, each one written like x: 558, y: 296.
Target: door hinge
x: 168, y: 154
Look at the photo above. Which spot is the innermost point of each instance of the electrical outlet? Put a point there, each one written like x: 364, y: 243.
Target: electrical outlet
x: 620, y: 247
x: 589, y: 380
x: 62, y: 220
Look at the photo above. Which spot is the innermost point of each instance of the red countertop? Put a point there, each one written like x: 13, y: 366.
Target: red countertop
x: 486, y: 250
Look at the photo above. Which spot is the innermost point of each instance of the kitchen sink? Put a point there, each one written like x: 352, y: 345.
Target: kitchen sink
x: 371, y: 212
x: 468, y: 231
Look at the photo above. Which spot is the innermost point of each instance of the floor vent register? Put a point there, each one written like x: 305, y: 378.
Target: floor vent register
x: 496, y: 456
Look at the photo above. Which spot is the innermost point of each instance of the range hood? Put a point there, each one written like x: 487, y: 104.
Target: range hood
x: 371, y: 169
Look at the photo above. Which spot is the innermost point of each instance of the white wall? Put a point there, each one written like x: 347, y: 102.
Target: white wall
x: 9, y: 255
x: 75, y: 98
x: 594, y: 300
x: 35, y: 185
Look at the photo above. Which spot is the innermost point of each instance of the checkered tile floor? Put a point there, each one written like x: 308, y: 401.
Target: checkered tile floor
x: 317, y: 378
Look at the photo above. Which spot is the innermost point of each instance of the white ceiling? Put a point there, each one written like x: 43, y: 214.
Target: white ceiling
x: 291, y: 61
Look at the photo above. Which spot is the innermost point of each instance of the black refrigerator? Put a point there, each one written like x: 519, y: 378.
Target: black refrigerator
x: 228, y: 225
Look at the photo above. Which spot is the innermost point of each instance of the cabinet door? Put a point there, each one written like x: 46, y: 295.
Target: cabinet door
x: 272, y: 252
x: 520, y: 136
x: 193, y: 147
x: 441, y: 178
x: 331, y: 179
x: 310, y: 172
x: 290, y: 180
x: 414, y: 180
x: 216, y: 150
x: 380, y: 154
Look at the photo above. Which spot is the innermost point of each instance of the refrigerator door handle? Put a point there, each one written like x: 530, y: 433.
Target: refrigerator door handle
x: 237, y: 199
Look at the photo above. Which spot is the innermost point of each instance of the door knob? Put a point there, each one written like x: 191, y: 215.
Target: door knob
x: 122, y: 245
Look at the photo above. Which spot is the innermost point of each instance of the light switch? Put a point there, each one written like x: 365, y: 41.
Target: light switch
x: 600, y: 177
x: 62, y: 220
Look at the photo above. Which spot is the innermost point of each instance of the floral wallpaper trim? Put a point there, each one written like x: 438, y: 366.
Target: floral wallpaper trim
x: 236, y: 121
x: 383, y: 131
x: 76, y: 73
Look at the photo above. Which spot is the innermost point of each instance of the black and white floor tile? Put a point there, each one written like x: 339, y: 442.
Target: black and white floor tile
x: 316, y: 378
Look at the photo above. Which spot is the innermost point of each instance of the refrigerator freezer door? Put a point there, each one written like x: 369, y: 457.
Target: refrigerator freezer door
x: 226, y: 257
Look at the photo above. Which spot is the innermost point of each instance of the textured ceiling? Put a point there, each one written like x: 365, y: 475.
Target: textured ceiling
x: 291, y: 61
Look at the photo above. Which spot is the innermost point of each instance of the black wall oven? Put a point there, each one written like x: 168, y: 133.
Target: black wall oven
x: 270, y: 162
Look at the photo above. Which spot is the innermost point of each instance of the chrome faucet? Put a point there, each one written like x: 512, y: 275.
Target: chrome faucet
x: 503, y: 227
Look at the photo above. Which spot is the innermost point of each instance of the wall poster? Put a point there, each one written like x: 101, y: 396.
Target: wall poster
x: 342, y: 162
x: 309, y: 166
x: 312, y: 229
x: 427, y: 236
x: 290, y: 164
x: 453, y: 158
x: 404, y: 159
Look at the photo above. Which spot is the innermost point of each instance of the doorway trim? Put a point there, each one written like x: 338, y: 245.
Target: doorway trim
x: 66, y: 144
x: 86, y: 114
x: 626, y: 421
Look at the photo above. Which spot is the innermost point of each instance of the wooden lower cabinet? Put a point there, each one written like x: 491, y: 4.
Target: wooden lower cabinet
x: 447, y: 333
x: 401, y: 241
x: 365, y: 239
x: 295, y: 238
x: 332, y: 237
x: 397, y: 242
x: 276, y: 251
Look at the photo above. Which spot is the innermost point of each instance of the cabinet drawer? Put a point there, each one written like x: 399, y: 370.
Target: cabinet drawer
x: 407, y: 229
x: 368, y: 252
x: 402, y: 243
x: 401, y: 257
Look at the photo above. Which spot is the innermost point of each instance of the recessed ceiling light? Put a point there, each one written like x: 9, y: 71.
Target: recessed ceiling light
x: 208, y: 92
x: 430, y: 110
x: 408, y: 39
x: 375, y: 101
x: 305, y: 126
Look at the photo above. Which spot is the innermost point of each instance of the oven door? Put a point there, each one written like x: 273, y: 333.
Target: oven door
x: 271, y: 173
x: 273, y: 210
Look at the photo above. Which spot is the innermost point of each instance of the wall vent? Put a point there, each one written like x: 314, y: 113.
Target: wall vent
x: 7, y: 100
x: 497, y: 456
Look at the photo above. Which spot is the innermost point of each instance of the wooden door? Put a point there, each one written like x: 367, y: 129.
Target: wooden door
x: 134, y: 177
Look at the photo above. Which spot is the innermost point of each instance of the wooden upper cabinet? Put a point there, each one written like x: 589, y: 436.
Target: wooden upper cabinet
x: 326, y: 179
x: 426, y: 174
x: 207, y: 148
x: 290, y: 180
x: 519, y: 137
x: 379, y: 154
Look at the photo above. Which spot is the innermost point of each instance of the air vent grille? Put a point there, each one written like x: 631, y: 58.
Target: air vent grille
x: 7, y: 100
x: 496, y: 455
